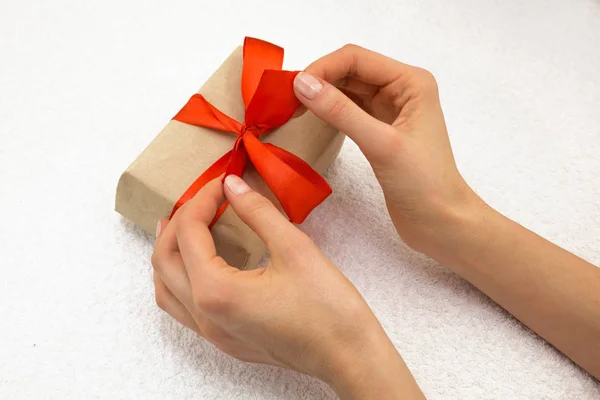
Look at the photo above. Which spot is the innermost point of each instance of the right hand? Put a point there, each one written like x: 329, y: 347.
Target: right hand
x: 392, y: 112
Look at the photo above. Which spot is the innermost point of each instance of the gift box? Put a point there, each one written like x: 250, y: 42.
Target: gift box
x: 195, y: 147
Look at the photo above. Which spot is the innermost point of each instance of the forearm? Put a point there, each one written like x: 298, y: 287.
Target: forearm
x: 552, y: 291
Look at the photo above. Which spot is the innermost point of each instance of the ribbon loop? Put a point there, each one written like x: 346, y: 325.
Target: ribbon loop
x: 258, y: 56
x: 269, y: 101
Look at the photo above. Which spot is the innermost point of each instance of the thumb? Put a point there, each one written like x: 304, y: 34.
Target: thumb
x: 261, y: 215
x: 334, y: 107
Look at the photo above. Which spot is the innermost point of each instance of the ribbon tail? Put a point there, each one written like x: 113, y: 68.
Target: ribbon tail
x: 213, y: 172
x: 296, y: 185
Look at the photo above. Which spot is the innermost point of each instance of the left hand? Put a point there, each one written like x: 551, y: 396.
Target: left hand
x: 298, y: 312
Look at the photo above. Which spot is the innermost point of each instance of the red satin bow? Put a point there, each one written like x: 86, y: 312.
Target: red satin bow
x: 269, y: 102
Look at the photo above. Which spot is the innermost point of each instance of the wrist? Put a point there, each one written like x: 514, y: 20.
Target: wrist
x: 374, y: 370
x: 442, y: 221
x: 459, y: 228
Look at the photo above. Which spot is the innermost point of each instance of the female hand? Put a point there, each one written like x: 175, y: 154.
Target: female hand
x: 298, y: 312
x: 392, y: 112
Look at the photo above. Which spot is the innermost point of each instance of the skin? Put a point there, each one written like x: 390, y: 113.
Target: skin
x: 300, y: 312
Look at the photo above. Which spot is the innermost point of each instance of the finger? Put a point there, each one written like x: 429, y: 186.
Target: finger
x: 260, y: 215
x: 357, y: 70
x: 164, y: 238
x: 332, y: 106
x: 169, y: 268
x: 167, y: 302
x: 160, y: 225
x: 168, y: 264
x: 185, y: 256
x: 191, y: 230
x: 356, y: 86
x: 357, y: 62
x: 169, y: 240
x: 355, y: 89
x: 174, y: 294
x: 194, y: 239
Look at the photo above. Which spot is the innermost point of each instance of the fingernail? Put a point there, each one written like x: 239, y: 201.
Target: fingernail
x: 307, y: 85
x: 236, y: 184
x: 158, y: 228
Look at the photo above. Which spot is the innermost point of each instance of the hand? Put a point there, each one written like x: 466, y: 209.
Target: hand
x: 392, y: 111
x: 298, y: 312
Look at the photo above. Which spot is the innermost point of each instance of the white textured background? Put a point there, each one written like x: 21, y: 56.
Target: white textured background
x: 85, y: 85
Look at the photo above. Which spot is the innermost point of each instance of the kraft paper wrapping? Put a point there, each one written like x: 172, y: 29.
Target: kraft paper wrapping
x: 149, y: 188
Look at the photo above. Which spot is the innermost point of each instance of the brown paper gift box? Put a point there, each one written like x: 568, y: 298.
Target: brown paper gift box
x: 180, y: 153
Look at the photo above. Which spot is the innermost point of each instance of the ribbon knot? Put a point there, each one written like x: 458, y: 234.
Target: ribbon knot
x: 254, y: 130
x: 269, y: 101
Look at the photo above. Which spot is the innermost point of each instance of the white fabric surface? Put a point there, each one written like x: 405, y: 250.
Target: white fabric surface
x: 84, y: 86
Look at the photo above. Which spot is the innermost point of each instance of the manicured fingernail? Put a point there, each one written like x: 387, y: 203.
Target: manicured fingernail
x: 307, y: 85
x: 236, y: 184
x: 158, y: 228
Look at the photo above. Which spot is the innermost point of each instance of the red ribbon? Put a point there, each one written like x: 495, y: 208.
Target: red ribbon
x: 269, y: 102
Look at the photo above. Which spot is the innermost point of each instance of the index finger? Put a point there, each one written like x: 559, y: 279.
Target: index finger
x: 357, y: 62
x: 192, y: 221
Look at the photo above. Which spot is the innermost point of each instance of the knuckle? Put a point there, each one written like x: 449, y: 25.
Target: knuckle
x: 427, y: 82
x: 192, y: 211
x: 209, y: 334
x: 351, y: 53
x: 202, y: 300
x: 350, y: 47
x: 257, y: 205
x: 217, y: 298
x: 184, y: 224
x: 160, y: 298
x: 185, y: 214
x: 157, y: 259
x: 212, y: 334
x: 394, y: 142
x: 184, y: 209
x: 339, y: 107
x: 211, y: 302
x: 295, y: 246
